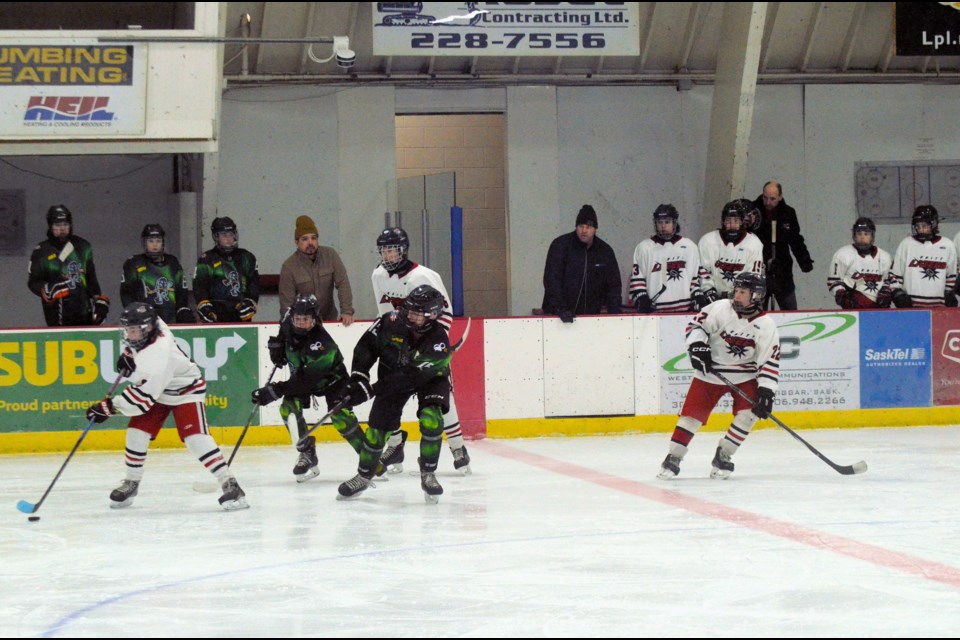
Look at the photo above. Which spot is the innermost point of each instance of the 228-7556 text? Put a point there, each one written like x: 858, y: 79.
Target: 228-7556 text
x: 508, y: 41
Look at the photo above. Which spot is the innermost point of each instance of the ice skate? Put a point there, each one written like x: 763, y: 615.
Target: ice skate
x: 722, y: 467
x: 670, y: 468
x: 233, y: 498
x: 306, y: 466
x: 392, y: 457
x: 123, y: 495
x: 353, y: 487
x: 461, y: 460
x: 431, y: 488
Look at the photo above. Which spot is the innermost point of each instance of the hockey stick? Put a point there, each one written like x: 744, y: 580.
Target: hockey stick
x: 663, y: 288
x: 319, y: 422
x: 847, y: 470
x: 26, y: 507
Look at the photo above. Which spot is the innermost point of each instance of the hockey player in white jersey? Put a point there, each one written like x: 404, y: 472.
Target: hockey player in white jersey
x: 731, y: 337
x: 727, y: 251
x: 859, y: 271
x: 924, y: 272
x: 393, y: 279
x: 666, y: 268
x: 164, y: 380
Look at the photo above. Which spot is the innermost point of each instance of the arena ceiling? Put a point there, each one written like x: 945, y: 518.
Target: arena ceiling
x: 803, y: 42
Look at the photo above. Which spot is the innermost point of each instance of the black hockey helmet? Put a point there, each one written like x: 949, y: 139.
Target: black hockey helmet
x: 140, y: 316
x: 666, y: 212
x: 153, y: 231
x: 393, y: 238
x: 751, y: 214
x: 304, y: 305
x: 732, y: 210
x: 225, y: 225
x: 926, y: 213
x: 59, y: 213
x: 863, y: 225
x: 424, y: 300
x: 757, y: 285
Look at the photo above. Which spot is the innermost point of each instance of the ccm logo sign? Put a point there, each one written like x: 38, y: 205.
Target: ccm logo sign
x: 951, y: 345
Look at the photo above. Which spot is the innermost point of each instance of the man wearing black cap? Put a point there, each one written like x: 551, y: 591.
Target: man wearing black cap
x: 62, y: 274
x: 581, y: 275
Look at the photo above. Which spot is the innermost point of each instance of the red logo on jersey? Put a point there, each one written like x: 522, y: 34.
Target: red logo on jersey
x: 396, y: 303
x: 737, y: 345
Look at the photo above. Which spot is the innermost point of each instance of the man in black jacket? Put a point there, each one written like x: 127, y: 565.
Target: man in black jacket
x: 581, y: 275
x: 779, y: 231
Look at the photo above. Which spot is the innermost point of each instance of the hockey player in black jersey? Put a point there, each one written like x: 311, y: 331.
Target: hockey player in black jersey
x: 413, y: 354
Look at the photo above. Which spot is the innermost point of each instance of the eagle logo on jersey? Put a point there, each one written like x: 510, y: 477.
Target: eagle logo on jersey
x: 929, y: 267
x: 729, y: 270
x: 871, y: 281
x: 395, y: 302
x: 161, y: 292
x: 738, y: 345
x: 675, y: 269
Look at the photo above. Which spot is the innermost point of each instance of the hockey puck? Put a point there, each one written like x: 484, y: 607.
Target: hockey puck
x: 33, y: 518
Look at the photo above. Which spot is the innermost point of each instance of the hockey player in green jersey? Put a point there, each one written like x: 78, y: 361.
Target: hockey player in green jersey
x: 62, y: 273
x: 156, y: 278
x: 226, y: 283
x: 316, y: 369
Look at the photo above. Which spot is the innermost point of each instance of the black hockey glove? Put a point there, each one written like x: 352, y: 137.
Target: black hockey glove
x: 901, y: 299
x: 266, y: 395
x: 53, y: 291
x: 884, y: 298
x: 764, y: 404
x: 643, y: 304
x: 950, y: 299
x: 806, y: 267
x: 100, y: 411
x: 846, y: 298
x: 126, y: 365
x: 246, y: 309
x: 101, y: 307
x: 278, y: 350
x: 700, y: 300
x: 566, y: 316
x: 205, y: 311
x: 185, y: 316
x: 700, y: 357
x: 356, y: 391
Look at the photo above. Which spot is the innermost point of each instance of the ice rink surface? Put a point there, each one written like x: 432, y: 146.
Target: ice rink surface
x: 550, y: 537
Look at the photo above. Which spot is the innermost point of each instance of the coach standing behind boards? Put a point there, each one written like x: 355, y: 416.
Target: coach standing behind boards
x: 581, y: 274
x: 316, y: 270
x: 779, y: 231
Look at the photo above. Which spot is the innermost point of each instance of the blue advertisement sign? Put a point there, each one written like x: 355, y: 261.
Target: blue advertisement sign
x: 895, y: 359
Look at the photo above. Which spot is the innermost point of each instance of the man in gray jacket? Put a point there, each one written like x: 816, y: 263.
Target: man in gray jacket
x: 316, y: 270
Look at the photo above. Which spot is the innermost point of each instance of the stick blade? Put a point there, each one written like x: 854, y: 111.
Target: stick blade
x: 26, y: 507
x: 860, y: 467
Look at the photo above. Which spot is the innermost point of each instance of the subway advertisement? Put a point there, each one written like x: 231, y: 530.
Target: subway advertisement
x: 48, y: 378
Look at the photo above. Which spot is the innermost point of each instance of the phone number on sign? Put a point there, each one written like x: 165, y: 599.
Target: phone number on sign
x: 508, y: 41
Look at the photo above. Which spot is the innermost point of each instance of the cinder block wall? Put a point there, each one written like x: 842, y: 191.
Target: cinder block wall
x: 471, y: 146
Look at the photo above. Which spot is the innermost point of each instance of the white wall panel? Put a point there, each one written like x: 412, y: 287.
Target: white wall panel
x: 646, y: 355
x: 513, y: 365
x: 588, y: 366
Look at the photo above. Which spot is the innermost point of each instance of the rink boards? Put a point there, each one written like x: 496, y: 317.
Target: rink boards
x: 519, y: 376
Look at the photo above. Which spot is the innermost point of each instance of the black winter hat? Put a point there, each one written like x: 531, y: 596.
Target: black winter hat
x: 587, y: 216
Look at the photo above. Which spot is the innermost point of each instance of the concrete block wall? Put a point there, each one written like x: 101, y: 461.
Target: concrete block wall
x: 471, y: 145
